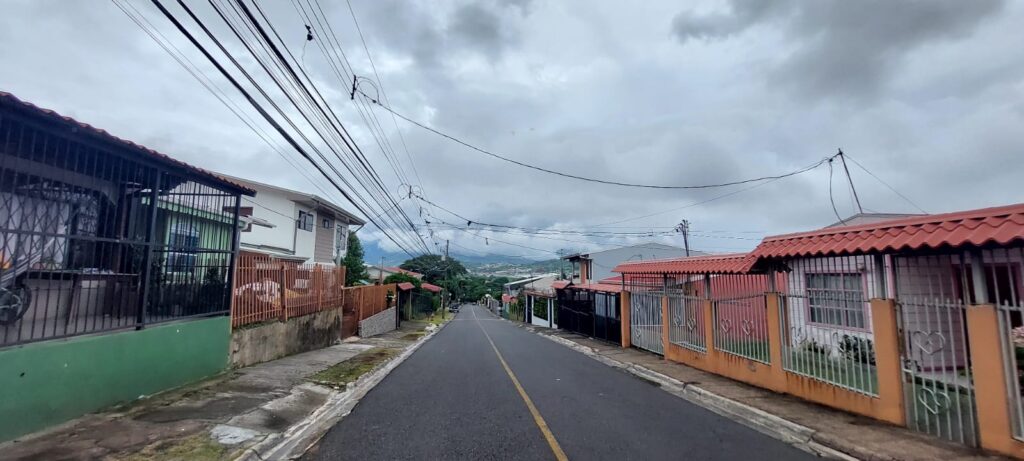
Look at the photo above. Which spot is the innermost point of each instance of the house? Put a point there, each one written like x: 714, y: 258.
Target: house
x: 378, y: 273
x: 591, y: 309
x: 530, y: 287
x: 115, y: 268
x: 294, y: 226
x: 597, y: 265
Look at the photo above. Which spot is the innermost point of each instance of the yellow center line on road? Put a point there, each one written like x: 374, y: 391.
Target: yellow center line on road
x: 537, y: 418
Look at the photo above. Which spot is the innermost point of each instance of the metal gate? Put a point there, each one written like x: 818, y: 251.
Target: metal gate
x: 938, y: 384
x: 645, y: 314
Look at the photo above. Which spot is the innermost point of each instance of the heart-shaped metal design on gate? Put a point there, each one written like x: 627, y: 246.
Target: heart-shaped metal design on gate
x: 934, y: 402
x: 928, y: 342
x: 691, y: 324
x: 725, y: 325
x: 747, y: 326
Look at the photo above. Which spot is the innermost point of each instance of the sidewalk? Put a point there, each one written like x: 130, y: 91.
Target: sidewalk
x: 244, y: 411
x: 813, y: 427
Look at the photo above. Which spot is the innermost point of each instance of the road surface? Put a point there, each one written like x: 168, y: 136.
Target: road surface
x: 455, y: 399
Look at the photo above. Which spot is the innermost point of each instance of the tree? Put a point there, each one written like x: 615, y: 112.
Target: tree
x: 434, y: 268
x: 355, y: 270
x: 402, y: 278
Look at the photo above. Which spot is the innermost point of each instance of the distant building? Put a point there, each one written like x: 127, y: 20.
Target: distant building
x: 376, y: 273
x: 598, y: 265
x: 293, y: 225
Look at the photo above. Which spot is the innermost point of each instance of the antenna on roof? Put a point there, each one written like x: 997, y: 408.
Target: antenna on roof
x: 850, y: 179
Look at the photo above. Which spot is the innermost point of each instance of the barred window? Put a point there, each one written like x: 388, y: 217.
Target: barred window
x: 305, y: 221
x: 836, y: 299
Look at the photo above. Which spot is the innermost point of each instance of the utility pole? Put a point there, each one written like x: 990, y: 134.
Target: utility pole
x: 850, y: 180
x: 447, y: 282
x: 684, y: 228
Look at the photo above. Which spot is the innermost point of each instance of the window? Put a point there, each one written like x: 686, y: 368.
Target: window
x: 305, y: 221
x: 836, y: 299
x: 327, y: 223
x: 183, y: 242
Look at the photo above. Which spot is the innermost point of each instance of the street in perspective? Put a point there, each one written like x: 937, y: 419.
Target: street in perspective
x: 250, y: 230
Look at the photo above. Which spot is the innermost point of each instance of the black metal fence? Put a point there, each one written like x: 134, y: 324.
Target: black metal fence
x: 95, y: 238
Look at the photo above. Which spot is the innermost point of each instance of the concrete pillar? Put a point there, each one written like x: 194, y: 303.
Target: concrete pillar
x: 625, y: 312
x: 887, y: 361
x: 776, y: 322
x: 709, y: 329
x: 991, y: 384
x: 666, y: 323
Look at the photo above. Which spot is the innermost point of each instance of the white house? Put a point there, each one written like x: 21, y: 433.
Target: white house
x: 294, y: 225
x: 598, y: 265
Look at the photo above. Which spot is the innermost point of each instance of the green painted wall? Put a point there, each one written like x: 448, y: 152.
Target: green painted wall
x: 51, y: 382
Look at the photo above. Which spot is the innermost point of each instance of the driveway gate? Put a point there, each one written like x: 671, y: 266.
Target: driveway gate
x: 938, y: 383
x: 645, y: 313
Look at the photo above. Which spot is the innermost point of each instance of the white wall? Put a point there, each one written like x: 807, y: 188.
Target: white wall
x: 276, y: 208
x: 605, y: 261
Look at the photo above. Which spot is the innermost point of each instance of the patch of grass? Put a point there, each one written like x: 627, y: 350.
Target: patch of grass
x: 199, y: 447
x: 350, y: 370
x: 414, y: 336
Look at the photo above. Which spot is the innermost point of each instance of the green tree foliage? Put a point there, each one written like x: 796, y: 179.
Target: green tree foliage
x: 474, y: 287
x: 434, y: 268
x: 355, y: 270
x: 401, y: 278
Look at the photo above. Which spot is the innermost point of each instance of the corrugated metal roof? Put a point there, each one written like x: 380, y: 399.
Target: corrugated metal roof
x: 605, y: 287
x: 12, y: 101
x: 430, y: 287
x: 999, y: 225
x: 734, y: 263
x: 405, y: 286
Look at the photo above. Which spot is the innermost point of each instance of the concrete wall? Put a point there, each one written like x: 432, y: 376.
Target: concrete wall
x: 47, y: 383
x: 381, y: 322
x: 269, y: 341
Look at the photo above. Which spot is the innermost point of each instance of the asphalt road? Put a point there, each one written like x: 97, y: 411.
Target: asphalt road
x: 453, y: 399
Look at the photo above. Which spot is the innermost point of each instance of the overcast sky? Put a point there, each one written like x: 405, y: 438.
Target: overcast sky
x: 928, y: 95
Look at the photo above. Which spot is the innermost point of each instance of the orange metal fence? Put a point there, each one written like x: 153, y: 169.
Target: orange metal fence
x: 267, y: 288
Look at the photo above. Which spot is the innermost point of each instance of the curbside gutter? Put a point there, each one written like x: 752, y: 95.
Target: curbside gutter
x: 766, y: 423
x: 301, y: 436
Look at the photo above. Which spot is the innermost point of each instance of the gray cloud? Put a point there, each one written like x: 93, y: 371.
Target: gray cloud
x: 838, y: 47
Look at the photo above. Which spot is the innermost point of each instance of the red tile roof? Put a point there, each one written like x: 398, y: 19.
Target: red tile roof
x: 405, y: 286
x: 506, y: 298
x: 999, y: 225
x: 560, y: 284
x: 399, y: 270
x: 430, y: 287
x: 734, y: 263
x: 9, y: 100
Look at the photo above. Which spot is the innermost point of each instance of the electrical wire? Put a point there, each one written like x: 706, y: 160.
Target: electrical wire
x: 893, y: 189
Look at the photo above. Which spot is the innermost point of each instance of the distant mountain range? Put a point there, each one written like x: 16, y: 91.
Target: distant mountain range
x: 373, y: 253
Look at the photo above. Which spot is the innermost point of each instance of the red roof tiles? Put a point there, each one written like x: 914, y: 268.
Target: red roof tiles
x: 10, y: 100
x: 605, y: 287
x: 999, y: 225
x: 405, y: 286
x: 735, y: 263
x: 430, y: 287
x: 560, y: 284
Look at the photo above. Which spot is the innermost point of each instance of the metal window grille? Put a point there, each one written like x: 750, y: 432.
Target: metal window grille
x: 826, y: 324
x: 87, y: 241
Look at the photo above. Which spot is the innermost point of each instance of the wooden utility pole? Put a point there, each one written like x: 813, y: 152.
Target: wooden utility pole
x: 850, y: 180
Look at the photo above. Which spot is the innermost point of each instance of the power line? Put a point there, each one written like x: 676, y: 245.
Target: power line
x: 904, y: 197
x: 830, y: 197
x: 583, y: 178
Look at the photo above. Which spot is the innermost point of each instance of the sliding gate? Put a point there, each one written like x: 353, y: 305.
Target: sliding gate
x: 645, y: 312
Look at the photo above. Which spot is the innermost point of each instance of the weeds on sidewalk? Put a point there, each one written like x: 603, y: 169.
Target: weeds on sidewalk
x: 337, y: 376
x: 199, y: 447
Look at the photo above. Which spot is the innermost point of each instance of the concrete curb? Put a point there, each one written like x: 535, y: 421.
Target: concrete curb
x: 766, y: 423
x: 301, y: 436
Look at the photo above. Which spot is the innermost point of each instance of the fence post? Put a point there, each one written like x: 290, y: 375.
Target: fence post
x: 666, y: 323
x: 987, y: 345
x: 625, y: 325
x: 776, y: 323
x: 283, y: 292
x: 887, y: 361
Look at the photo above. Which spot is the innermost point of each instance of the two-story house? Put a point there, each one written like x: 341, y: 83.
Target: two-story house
x: 294, y: 225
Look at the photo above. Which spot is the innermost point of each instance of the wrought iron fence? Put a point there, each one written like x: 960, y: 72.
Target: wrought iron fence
x: 96, y: 239
x: 933, y: 293
x: 645, y: 312
x: 686, y: 312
